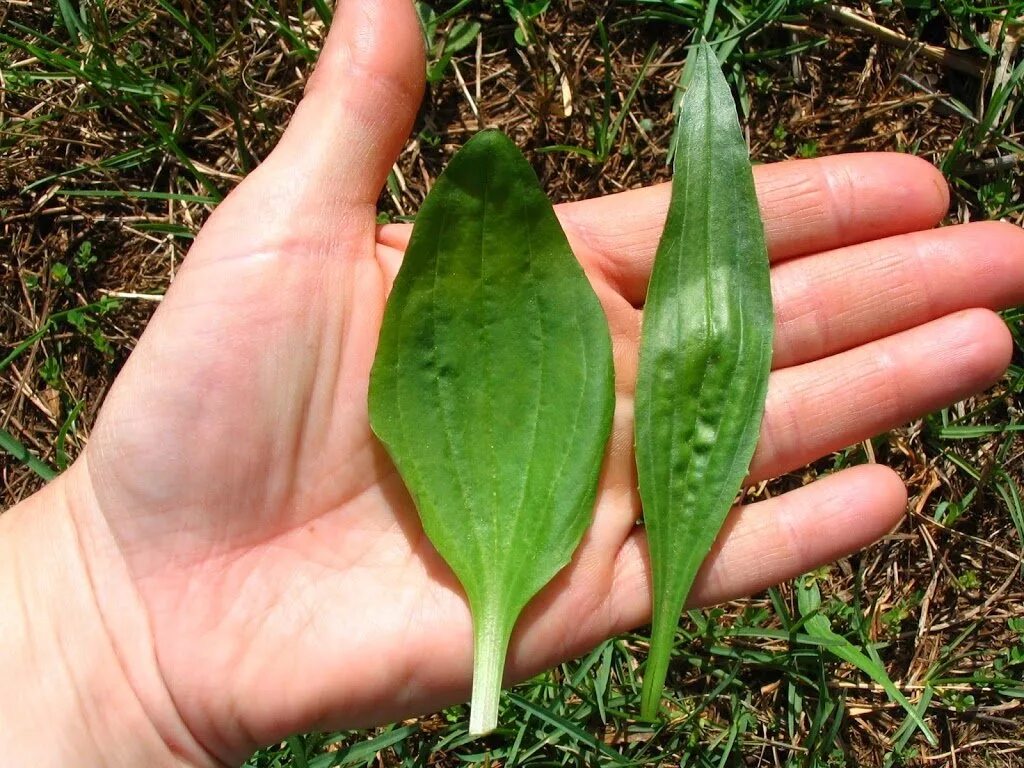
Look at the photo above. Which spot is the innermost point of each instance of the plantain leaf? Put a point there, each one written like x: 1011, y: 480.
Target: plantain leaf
x: 492, y: 390
x: 705, y: 354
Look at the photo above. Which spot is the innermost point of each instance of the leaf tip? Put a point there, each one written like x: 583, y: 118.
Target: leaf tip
x: 488, y: 140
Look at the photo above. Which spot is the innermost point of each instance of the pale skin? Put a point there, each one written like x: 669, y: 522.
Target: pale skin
x: 233, y: 558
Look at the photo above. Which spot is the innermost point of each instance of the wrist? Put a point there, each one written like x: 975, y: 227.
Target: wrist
x: 73, y: 691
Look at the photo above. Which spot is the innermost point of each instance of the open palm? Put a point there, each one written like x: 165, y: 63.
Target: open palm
x: 259, y: 564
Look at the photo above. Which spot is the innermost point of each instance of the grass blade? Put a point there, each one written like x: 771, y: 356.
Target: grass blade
x: 13, y: 446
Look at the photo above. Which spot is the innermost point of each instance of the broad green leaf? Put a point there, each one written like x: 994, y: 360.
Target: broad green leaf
x: 492, y: 390
x: 705, y: 354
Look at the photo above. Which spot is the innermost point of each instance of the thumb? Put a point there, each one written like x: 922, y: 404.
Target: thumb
x: 349, y: 127
x: 361, y: 100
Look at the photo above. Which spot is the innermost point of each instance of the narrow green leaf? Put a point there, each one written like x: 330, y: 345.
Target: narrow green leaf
x: 297, y: 747
x: 573, y: 732
x: 462, y: 34
x: 705, y: 354
x: 17, y: 449
x: 71, y: 20
x: 323, y: 10
x: 492, y: 390
x: 139, y: 194
x: 819, y: 627
x: 364, y: 752
x: 183, y: 21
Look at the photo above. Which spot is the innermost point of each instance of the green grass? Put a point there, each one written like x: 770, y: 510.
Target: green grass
x: 124, y: 123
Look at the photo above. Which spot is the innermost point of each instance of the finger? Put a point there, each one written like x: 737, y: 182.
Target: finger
x: 768, y: 542
x: 760, y: 545
x: 601, y: 596
x: 786, y: 536
x: 349, y: 127
x: 819, y: 407
x: 834, y: 301
x: 360, y: 102
x: 807, y: 206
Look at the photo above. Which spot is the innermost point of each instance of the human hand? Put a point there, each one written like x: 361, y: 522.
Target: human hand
x: 244, y: 551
